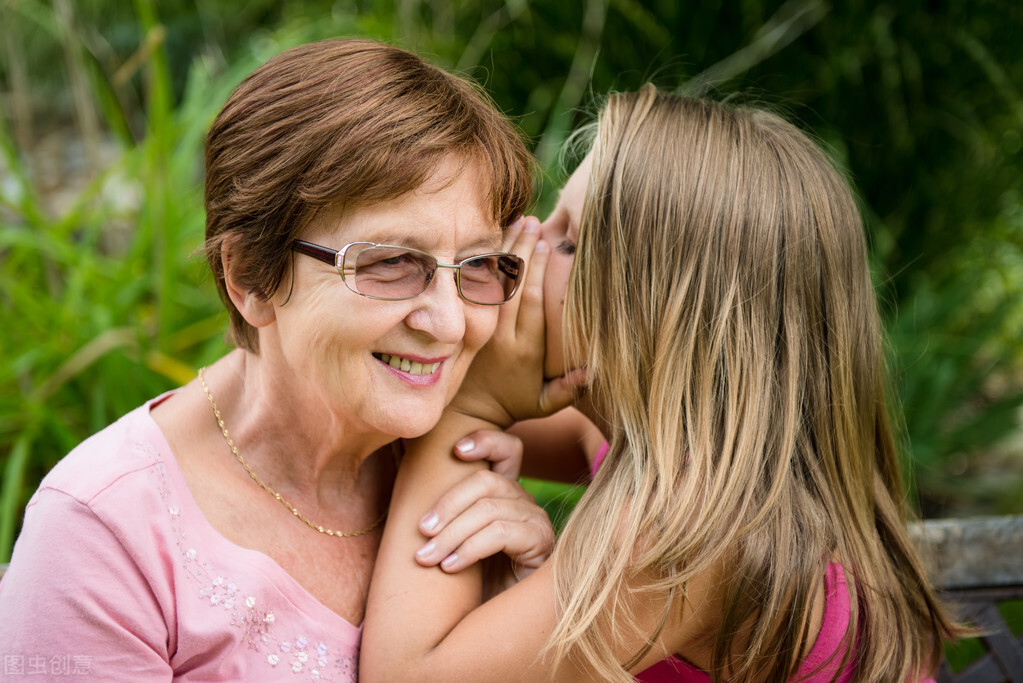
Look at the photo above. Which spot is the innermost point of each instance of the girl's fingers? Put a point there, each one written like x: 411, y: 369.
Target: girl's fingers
x: 482, y: 485
x: 511, y: 234
x: 560, y: 392
x: 516, y: 527
x: 524, y: 245
x: 531, y: 314
x: 524, y: 235
x: 504, y: 451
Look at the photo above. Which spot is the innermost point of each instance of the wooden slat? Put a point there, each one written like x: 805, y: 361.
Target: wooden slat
x: 977, y: 552
x: 978, y: 563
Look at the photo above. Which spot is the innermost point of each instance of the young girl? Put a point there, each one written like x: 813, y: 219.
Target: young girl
x: 748, y: 520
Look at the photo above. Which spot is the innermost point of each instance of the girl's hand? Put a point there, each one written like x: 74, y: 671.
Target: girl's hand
x: 505, y: 382
x: 487, y: 513
x: 483, y: 515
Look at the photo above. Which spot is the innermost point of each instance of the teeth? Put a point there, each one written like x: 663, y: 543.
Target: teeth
x: 409, y: 366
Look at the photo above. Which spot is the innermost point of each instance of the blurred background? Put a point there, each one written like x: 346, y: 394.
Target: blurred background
x: 104, y: 105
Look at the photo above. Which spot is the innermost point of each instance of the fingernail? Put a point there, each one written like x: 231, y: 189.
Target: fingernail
x: 540, y: 247
x: 425, y: 551
x: 465, y: 445
x: 430, y: 522
x: 532, y: 225
x: 449, y: 561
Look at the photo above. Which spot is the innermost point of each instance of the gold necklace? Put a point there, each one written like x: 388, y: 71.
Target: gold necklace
x: 262, y: 484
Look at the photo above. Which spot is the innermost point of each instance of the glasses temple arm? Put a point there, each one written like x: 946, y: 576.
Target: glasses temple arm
x: 319, y: 253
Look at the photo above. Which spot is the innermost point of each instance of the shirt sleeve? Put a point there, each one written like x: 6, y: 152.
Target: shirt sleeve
x: 75, y: 601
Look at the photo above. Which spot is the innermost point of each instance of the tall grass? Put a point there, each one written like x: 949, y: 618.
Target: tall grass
x: 95, y: 294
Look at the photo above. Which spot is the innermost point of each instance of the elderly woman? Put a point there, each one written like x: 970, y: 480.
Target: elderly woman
x: 227, y: 530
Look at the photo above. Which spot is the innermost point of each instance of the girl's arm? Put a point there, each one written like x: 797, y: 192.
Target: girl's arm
x: 560, y: 447
x: 424, y: 624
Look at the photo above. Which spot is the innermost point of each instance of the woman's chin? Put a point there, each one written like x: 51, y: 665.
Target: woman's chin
x: 413, y: 426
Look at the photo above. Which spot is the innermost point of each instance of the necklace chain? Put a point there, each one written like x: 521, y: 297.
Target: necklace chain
x: 263, y: 485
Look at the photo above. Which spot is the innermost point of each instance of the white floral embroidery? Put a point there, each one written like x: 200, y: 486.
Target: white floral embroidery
x: 257, y: 625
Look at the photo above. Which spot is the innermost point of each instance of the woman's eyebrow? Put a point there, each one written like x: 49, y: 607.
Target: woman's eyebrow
x: 487, y: 243
x: 415, y: 240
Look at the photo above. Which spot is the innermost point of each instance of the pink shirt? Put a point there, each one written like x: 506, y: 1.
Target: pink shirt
x: 117, y: 575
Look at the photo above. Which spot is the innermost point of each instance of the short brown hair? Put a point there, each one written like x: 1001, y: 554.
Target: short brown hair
x: 339, y: 124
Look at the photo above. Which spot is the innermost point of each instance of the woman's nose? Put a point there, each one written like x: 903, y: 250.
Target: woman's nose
x: 440, y: 311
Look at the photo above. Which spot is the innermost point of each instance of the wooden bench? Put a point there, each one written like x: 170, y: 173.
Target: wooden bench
x: 978, y: 565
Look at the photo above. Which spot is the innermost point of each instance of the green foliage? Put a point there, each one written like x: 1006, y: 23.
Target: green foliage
x: 105, y: 304
x: 557, y: 499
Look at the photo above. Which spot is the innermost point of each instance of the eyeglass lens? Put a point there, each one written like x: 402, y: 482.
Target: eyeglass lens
x: 396, y: 273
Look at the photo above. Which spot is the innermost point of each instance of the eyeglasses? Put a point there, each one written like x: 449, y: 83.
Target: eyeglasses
x: 392, y: 273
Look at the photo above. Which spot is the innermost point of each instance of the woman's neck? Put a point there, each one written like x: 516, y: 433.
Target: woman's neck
x: 301, y: 446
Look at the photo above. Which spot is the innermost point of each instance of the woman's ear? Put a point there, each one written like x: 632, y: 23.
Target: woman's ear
x: 257, y: 310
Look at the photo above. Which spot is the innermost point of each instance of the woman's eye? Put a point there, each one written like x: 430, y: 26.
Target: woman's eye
x: 567, y: 248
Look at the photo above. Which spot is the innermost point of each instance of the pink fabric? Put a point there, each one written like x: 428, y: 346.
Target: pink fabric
x: 117, y: 575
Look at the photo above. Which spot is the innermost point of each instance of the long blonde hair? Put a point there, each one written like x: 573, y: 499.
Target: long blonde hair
x: 722, y: 302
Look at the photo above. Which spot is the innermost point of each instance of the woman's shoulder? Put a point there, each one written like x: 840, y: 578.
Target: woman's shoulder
x: 108, y: 459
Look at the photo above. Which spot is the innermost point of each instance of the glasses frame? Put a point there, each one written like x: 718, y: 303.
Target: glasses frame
x: 336, y: 258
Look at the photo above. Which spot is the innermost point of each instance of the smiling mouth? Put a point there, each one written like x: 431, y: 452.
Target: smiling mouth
x: 405, y: 365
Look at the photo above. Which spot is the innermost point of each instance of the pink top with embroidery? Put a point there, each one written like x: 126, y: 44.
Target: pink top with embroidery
x: 117, y: 575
